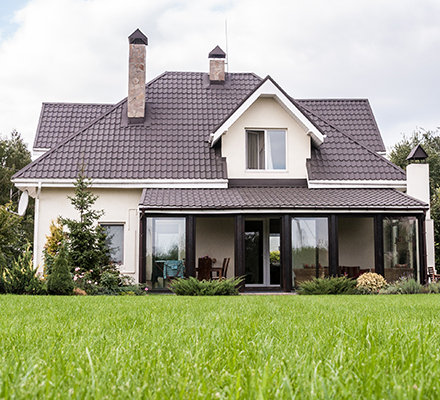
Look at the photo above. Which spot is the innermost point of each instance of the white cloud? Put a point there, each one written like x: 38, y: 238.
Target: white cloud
x: 77, y: 51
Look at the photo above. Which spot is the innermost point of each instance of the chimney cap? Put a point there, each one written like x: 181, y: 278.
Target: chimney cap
x: 417, y: 153
x: 137, y: 37
x: 217, y: 52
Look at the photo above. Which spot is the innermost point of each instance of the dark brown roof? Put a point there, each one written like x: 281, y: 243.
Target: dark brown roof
x: 182, y: 111
x: 60, y: 120
x: 352, y: 116
x: 277, y: 198
x: 174, y: 145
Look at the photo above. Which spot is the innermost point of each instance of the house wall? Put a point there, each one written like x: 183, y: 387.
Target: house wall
x: 356, y: 242
x: 120, y: 205
x: 266, y: 113
x: 215, y: 238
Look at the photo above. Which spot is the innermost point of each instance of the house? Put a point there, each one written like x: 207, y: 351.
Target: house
x: 228, y: 165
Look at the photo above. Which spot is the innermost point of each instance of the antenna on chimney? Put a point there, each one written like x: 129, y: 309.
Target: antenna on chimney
x: 227, y: 51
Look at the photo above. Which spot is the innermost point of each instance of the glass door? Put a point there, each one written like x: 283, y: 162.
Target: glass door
x: 262, y: 252
x: 253, y: 239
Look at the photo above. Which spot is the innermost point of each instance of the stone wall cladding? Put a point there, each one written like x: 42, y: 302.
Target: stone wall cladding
x: 136, y: 81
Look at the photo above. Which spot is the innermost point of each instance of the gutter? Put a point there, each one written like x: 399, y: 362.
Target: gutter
x: 36, y: 224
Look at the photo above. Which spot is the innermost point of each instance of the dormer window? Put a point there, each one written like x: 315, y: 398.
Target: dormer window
x: 266, y: 149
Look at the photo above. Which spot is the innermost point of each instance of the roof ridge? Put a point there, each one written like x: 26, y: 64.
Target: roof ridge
x: 76, y: 103
x: 382, y: 158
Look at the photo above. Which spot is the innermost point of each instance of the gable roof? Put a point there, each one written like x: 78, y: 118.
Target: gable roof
x: 269, y: 88
x: 174, y: 144
x: 182, y: 111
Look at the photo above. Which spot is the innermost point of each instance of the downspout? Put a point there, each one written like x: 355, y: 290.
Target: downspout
x: 36, y: 225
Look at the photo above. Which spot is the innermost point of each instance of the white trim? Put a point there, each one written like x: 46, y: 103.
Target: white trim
x: 362, y: 184
x: 127, y: 183
x: 38, y: 152
x: 268, y: 89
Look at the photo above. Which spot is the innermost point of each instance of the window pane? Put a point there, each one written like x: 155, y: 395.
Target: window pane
x: 115, y: 242
x: 165, y: 242
x: 400, y: 247
x: 309, y: 249
x: 255, y: 149
x: 276, y: 149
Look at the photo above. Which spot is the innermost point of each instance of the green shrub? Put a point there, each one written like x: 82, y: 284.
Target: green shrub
x: 109, y: 280
x: 194, y: 287
x: 341, y: 285
x: 60, y: 282
x: 409, y: 286
x: 370, y: 283
x: 433, y: 287
x: 22, y: 278
x: 391, y: 289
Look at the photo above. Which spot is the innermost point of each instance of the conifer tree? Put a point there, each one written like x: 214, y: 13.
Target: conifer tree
x: 60, y: 281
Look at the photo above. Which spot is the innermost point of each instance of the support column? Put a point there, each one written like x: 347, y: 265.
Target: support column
x: 333, y: 239
x: 239, y: 247
x: 142, y: 247
x: 422, y: 250
x: 286, y: 252
x: 190, y: 249
x: 379, y: 266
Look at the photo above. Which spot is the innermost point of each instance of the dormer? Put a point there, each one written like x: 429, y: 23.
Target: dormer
x: 267, y: 136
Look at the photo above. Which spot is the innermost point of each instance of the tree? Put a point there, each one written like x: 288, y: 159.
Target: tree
x: 86, y: 239
x: 14, y: 155
x: 60, y: 281
x: 13, y: 240
x: 430, y: 141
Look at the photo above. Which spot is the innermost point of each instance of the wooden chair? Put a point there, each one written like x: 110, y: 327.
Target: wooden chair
x: 222, y: 273
x: 204, y: 269
x: 432, y: 275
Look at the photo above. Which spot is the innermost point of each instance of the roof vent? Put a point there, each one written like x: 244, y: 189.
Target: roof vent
x: 136, y: 76
x: 217, y: 65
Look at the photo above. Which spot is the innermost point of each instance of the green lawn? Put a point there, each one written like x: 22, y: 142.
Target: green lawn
x: 245, y: 347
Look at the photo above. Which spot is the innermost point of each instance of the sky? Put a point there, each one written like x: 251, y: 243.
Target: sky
x: 77, y: 51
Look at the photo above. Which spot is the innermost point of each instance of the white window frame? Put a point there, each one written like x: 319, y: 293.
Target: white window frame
x: 265, y: 130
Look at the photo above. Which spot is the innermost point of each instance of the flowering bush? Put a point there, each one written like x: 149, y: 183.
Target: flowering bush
x: 370, y: 282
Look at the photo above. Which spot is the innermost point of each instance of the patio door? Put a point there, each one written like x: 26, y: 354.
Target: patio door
x: 262, y: 252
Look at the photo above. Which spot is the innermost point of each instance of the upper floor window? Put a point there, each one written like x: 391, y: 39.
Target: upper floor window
x: 266, y: 149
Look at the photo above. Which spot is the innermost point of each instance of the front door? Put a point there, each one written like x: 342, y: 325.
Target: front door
x: 262, y: 252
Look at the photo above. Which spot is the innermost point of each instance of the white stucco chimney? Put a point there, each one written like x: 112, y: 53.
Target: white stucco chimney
x: 136, y: 75
x: 417, y: 186
x: 217, y: 65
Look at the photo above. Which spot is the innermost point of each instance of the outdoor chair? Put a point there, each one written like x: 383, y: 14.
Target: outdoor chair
x: 204, y: 269
x: 173, y: 269
x: 224, y: 270
x: 432, y: 275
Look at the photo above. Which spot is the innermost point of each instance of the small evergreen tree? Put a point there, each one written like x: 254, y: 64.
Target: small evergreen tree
x: 21, y: 277
x: 52, y: 246
x: 60, y: 281
x: 87, y: 249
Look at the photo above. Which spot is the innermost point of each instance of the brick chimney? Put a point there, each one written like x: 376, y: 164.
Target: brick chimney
x: 217, y: 65
x: 136, y: 76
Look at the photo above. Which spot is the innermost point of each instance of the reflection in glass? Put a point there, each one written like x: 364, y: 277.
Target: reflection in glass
x: 400, y: 247
x: 309, y: 249
x: 165, y: 241
x: 115, y: 241
x: 253, y: 241
x: 274, y: 251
